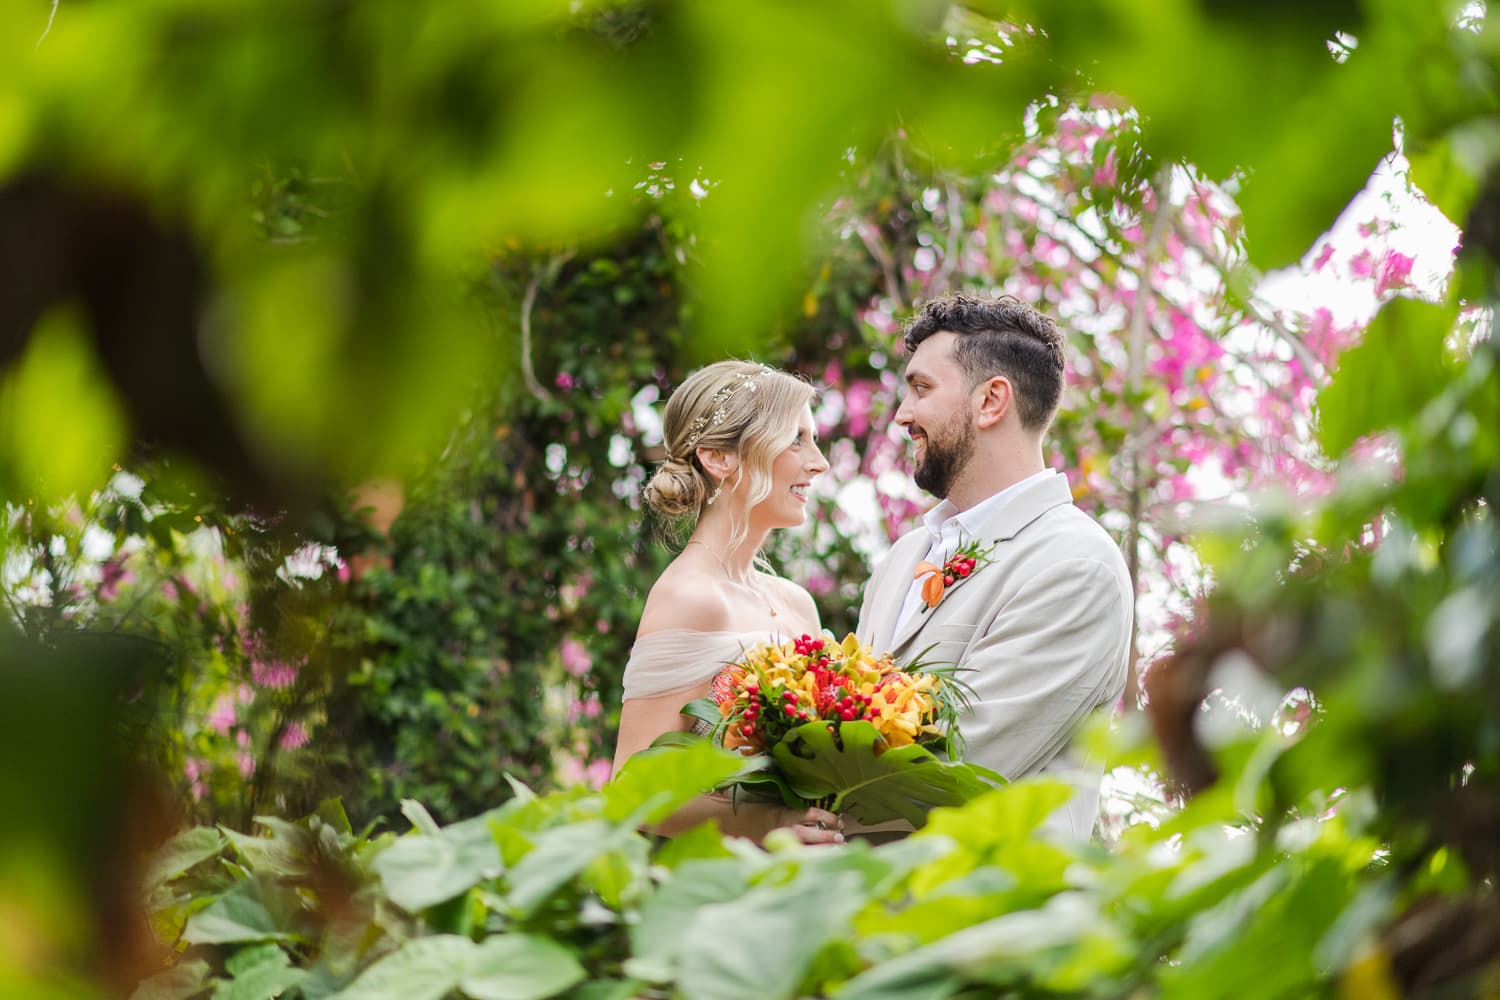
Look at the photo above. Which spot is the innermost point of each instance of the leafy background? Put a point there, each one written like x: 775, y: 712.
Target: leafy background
x: 331, y: 340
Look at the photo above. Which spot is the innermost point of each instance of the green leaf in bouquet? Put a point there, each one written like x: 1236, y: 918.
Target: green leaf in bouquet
x: 760, y: 780
x: 872, y: 785
x: 181, y: 853
x: 676, y: 738
x: 656, y: 783
x: 704, y: 710
x: 434, y: 864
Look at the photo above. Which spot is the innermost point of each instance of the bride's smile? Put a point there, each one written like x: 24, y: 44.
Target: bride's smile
x: 792, y: 472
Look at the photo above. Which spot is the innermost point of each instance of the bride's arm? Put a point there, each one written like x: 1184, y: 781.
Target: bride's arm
x: 644, y: 719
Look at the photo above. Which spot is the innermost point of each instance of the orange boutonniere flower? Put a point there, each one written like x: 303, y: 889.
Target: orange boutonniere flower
x: 966, y: 561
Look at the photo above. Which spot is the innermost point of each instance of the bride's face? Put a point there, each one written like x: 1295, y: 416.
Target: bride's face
x: 792, y: 472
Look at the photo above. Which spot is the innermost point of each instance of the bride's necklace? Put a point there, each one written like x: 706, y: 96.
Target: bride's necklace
x: 747, y: 584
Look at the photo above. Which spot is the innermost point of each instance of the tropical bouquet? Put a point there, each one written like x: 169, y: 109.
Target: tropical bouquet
x: 833, y: 724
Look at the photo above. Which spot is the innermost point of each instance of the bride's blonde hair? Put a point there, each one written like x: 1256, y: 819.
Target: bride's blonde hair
x: 737, y: 407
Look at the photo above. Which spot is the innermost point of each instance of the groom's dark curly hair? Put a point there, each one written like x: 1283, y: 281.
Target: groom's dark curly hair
x: 1000, y: 336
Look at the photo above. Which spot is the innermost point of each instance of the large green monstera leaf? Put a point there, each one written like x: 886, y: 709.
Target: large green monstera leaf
x: 852, y: 771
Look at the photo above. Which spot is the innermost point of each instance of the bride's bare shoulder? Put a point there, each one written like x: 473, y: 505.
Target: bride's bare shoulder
x: 685, y: 598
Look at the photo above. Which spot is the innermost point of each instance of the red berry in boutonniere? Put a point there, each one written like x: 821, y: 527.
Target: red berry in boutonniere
x: 969, y: 557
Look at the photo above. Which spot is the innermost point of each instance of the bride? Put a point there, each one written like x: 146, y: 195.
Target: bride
x: 741, y: 452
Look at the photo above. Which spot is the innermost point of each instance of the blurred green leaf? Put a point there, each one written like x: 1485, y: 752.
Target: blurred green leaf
x: 1451, y: 185
x: 560, y: 856
x: 656, y: 783
x: 520, y: 967
x: 703, y: 842
x: 181, y: 853
x: 61, y: 426
x: 656, y: 939
x: 259, y: 973
x: 723, y: 953
x: 424, y: 969
x: 425, y: 868
x: 184, y: 980
x: 238, y: 915
x: 1386, y: 379
x: 1064, y: 946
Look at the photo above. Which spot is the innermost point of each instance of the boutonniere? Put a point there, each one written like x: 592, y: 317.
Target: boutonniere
x: 966, y: 561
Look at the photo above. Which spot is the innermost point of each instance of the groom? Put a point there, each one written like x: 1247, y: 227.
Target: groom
x: 1040, y: 619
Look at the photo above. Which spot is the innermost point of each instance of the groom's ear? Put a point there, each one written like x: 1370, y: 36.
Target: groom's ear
x: 996, y: 398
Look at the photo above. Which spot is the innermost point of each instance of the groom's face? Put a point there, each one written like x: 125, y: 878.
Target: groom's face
x: 937, y: 413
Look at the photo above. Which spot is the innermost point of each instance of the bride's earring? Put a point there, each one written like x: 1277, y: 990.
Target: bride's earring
x: 718, y: 488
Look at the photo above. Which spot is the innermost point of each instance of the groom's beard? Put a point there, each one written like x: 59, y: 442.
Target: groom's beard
x: 945, y: 457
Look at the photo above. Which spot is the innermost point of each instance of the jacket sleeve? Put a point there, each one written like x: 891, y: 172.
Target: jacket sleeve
x: 1053, y: 653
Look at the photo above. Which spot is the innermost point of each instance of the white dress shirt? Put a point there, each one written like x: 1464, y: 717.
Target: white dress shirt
x: 950, y: 528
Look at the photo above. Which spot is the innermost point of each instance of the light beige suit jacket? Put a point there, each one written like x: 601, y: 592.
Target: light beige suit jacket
x: 1042, y: 630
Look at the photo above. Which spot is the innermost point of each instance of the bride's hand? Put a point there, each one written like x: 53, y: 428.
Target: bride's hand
x: 815, y: 826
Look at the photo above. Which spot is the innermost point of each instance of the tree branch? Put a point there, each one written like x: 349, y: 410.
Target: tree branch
x: 869, y: 235
x: 1135, y: 368
x: 1253, y: 306
x: 955, y: 228
x: 548, y: 272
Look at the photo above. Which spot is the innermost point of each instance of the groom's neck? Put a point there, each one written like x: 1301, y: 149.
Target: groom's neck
x: 995, y: 466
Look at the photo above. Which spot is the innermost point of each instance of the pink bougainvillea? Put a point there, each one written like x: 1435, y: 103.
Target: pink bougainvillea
x: 575, y: 658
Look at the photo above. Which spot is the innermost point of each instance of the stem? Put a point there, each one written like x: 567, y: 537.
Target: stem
x: 50, y: 18
x: 1134, y: 372
x: 547, y: 272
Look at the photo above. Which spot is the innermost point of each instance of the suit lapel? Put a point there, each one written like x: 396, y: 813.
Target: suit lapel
x: 1008, y: 522
x: 911, y: 626
x: 903, y: 562
x: 1028, y: 505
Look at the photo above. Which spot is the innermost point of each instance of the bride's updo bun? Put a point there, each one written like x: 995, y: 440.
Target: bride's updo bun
x: 737, y: 407
x: 676, y: 490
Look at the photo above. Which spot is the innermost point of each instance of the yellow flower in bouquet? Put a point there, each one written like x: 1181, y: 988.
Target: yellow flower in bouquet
x: 777, y: 687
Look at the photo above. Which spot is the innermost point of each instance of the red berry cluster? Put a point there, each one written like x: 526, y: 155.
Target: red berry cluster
x: 956, y: 568
x: 752, y: 710
x: 806, y: 645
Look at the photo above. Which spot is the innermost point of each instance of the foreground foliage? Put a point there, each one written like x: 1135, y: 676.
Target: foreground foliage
x: 561, y: 896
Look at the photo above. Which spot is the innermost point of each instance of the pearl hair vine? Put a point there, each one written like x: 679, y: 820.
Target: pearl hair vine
x: 719, y: 408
